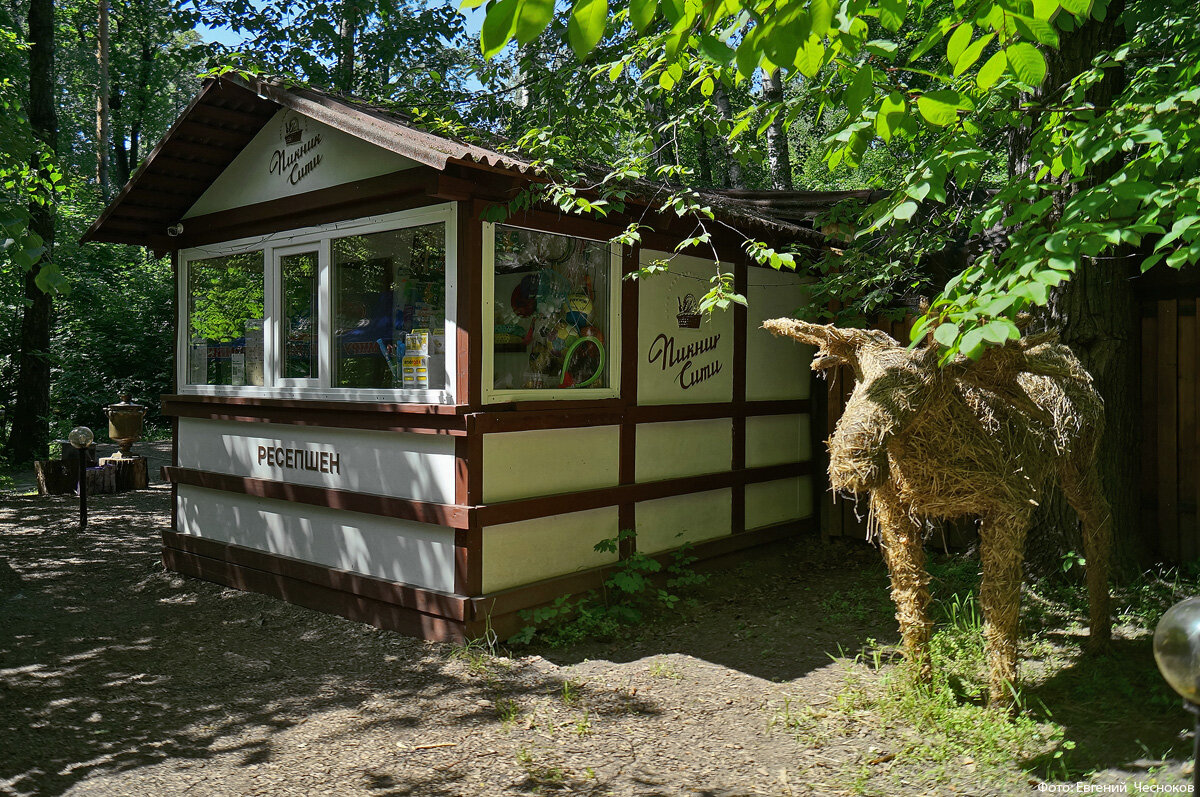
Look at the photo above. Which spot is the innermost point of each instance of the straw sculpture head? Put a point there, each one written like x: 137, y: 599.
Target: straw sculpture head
x: 983, y: 438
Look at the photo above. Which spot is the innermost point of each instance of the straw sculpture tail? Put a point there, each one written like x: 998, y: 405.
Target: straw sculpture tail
x: 984, y: 438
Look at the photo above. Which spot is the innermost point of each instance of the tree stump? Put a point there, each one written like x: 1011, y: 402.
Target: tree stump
x: 131, y: 472
x: 54, y: 477
x: 101, y: 480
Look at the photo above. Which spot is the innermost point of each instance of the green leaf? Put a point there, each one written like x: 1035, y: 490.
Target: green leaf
x: 940, y: 108
x: 883, y: 48
x: 532, y: 19
x: 715, y: 50
x: 586, y: 27
x: 498, y: 27
x: 641, y: 13
x: 810, y: 57
x: 946, y: 334
x: 972, y: 343
x: 859, y: 90
x: 1027, y: 62
x: 890, y: 115
x: 972, y: 53
x: 905, y: 210
x: 958, y: 42
x: 991, y: 71
x: 892, y: 13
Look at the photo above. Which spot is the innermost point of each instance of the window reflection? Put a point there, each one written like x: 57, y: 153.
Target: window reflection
x: 389, y: 305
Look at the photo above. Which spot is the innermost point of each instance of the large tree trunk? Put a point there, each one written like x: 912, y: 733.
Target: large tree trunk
x: 28, y: 437
x: 1097, y: 314
x: 102, y: 91
x: 779, y: 152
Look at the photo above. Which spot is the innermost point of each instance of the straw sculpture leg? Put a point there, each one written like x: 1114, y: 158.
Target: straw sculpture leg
x: 1087, y: 499
x: 1002, y: 544
x: 903, y: 550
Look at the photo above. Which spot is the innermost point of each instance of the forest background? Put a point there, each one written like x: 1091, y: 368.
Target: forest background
x: 1030, y: 155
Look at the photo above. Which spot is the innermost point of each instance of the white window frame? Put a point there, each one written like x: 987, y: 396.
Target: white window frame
x: 321, y: 237
x: 612, y: 337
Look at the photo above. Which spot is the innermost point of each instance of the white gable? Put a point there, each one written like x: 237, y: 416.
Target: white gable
x: 291, y: 155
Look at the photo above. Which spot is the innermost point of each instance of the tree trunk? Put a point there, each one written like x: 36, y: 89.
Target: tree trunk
x: 102, y: 90
x: 779, y: 152
x: 703, y: 156
x: 734, y: 176
x: 347, y: 32
x: 28, y: 437
x: 1097, y: 315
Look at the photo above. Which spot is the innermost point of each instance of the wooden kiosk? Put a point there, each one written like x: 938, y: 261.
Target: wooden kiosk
x: 390, y: 409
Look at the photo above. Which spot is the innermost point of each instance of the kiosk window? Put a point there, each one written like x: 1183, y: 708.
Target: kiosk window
x: 389, y: 309
x: 225, y: 320
x: 298, y: 275
x: 552, y: 315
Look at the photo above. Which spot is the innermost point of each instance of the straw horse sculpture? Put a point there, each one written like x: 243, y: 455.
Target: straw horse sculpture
x: 983, y: 438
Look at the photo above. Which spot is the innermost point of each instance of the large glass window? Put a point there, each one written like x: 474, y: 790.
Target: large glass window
x: 552, y: 315
x: 225, y: 320
x: 389, y: 309
x: 299, y: 328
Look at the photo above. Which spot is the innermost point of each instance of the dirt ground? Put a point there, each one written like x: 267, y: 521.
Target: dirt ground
x: 117, y: 678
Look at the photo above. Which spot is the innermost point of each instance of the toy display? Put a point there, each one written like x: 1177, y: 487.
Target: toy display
x: 508, y: 330
x: 554, y: 315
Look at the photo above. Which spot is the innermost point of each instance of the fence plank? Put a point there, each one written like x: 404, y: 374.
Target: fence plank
x: 1149, y: 449
x: 1187, y: 454
x: 1168, y: 427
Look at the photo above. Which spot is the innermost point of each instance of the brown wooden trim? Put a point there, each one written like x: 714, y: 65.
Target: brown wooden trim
x: 402, y: 190
x: 416, y: 418
x: 381, y: 614
x: 563, y: 415
x: 448, y: 515
x: 470, y: 306
x: 627, y: 451
x: 462, y: 470
x: 526, y: 596
x: 474, y: 468
x: 658, y: 413
x: 468, y: 561
x: 498, y: 422
x: 552, y: 405
x: 738, y: 435
x: 544, y: 506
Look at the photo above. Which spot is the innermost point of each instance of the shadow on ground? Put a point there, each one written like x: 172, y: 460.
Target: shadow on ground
x: 108, y: 665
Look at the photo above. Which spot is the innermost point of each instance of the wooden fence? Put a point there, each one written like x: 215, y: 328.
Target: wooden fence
x: 1170, y: 450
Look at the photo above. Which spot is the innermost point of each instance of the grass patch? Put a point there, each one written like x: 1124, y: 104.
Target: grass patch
x: 1077, y: 716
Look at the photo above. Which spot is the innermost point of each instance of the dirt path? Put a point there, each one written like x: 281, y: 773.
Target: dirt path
x: 118, y: 678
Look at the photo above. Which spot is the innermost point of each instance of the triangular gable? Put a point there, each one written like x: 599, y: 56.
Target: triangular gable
x: 294, y: 154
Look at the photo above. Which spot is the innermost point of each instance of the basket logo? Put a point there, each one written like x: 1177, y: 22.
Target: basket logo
x: 689, y: 312
x: 297, y: 158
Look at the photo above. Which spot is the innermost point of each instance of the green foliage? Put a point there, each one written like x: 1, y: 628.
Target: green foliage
x: 946, y: 86
x: 629, y: 594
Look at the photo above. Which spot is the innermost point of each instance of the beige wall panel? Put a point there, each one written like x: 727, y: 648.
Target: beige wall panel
x: 388, y: 548
x: 534, y: 550
x: 666, y: 523
x: 548, y: 462
x: 769, y: 503
x: 417, y: 466
x: 683, y: 448
x: 681, y: 365
x: 778, y: 440
x: 776, y: 368
x: 272, y: 168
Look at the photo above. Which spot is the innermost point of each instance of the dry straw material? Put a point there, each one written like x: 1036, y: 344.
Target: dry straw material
x: 982, y: 438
